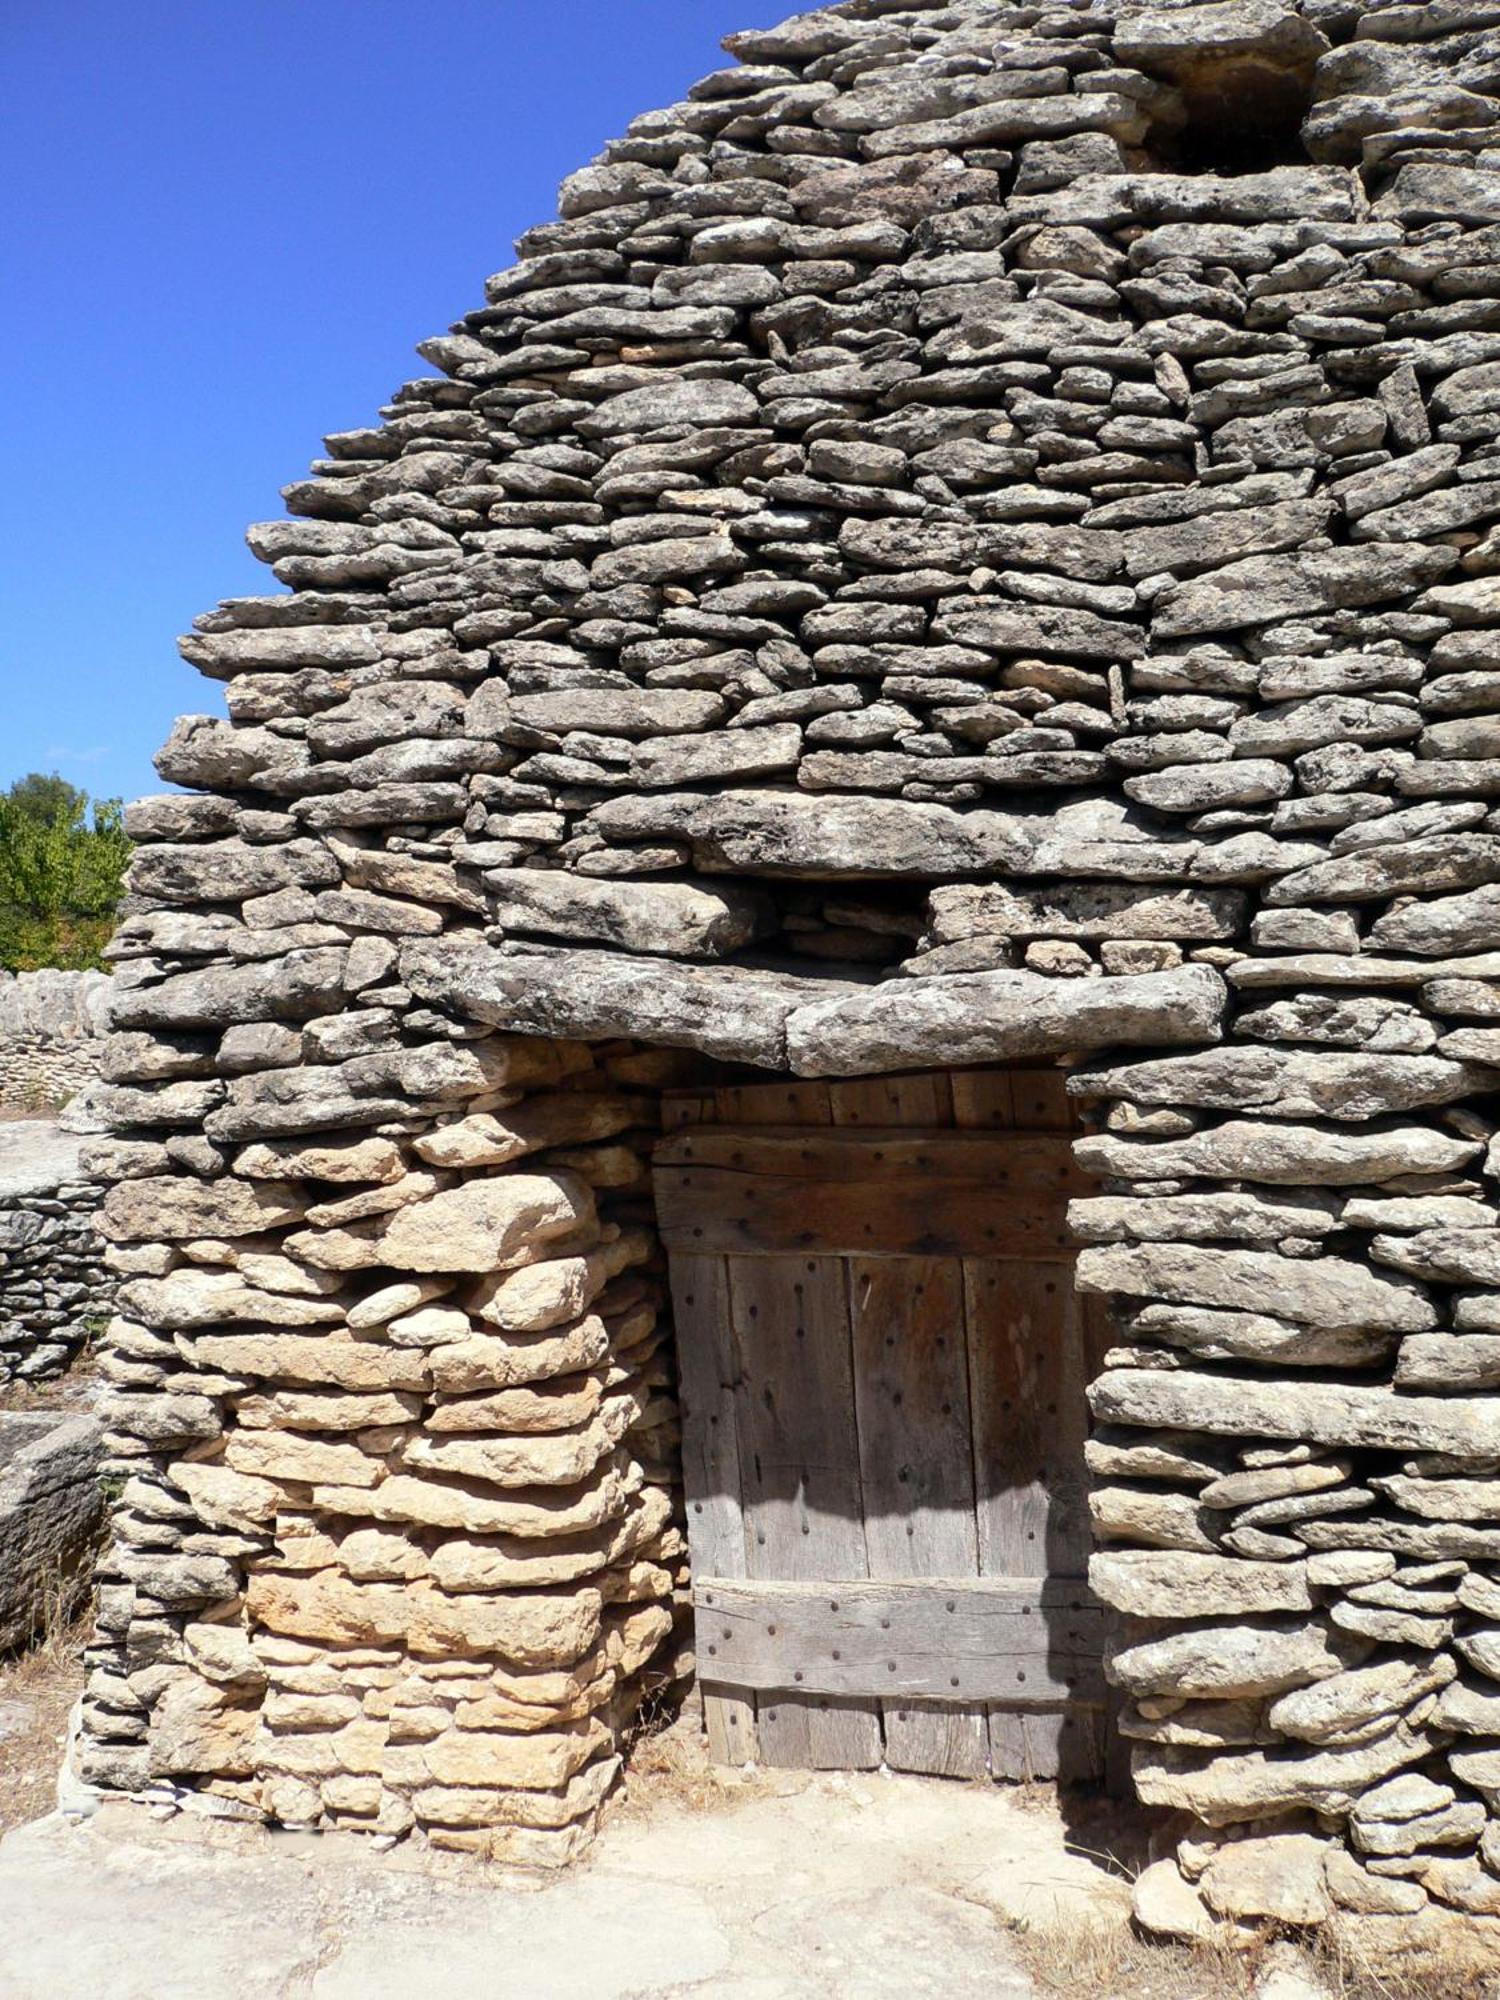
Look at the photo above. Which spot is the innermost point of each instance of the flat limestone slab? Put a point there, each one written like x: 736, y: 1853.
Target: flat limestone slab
x: 985, y: 1017
x: 815, y: 1027
x: 727, y: 1011
x: 820, y: 1888
x: 1375, y: 1419
x: 50, y: 1504
x: 36, y: 1156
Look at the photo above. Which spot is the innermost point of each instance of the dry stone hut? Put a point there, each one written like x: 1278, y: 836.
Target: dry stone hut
x: 944, y: 608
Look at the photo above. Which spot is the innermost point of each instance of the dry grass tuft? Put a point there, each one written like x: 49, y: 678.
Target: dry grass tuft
x: 38, y: 1688
x: 1348, y: 1974
x: 669, y: 1765
x: 1113, y: 1961
x: 61, y: 1633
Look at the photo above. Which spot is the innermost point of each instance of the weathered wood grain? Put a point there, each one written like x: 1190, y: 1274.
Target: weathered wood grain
x: 1017, y: 1163
x: 799, y: 1472
x: 916, y: 1467
x: 1027, y: 1377
x: 1028, y: 1643
x: 712, y: 1208
x: 708, y: 1384
x: 890, y: 1401
x: 924, y: 1099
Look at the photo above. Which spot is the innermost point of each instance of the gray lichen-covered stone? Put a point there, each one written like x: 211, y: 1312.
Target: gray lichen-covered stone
x: 1215, y: 1334
x: 779, y: 833
x: 1347, y: 1703
x: 1326, y: 1291
x: 50, y: 1511
x: 727, y: 1011
x: 1375, y: 1419
x: 1285, y: 1154
x: 1469, y: 922
x: 672, y: 918
x: 778, y: 1021
x: 1230, y: 1215
x: 1256, y: 1783
x: 997, y: 1017
x: 1292, y: 1084
x: 1102, y: 910
x: 1447, y: 1361
x: 1184, y: 1584
x: 1230, y: 1662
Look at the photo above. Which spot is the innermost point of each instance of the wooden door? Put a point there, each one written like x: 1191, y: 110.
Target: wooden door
x: 882, y: 1365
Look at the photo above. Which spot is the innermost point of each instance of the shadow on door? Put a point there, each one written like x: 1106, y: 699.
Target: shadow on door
x: 883, y: 1364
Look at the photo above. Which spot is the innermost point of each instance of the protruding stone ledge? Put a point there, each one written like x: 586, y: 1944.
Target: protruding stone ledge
x: 988, y: 1017
x: 816, y: 1027
x: 1374, y: 1418
x: 731, y: 1012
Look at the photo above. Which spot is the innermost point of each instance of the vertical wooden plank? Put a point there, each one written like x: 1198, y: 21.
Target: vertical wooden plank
x: 1041, y: 1101
x: 686, y: 1107
x: 789, y: 1103
x: 783, y: 1734
x: 922, y: 1100
x: 912, y: 1405
x: 1027, y: 1378
x: 916, y: 1467
x: 1082, y: 1745
x: 1011, y: 1757
x: 982, y: 1099
x: 1026, y: 1390
x: 707, y: 1372
x: 1027, y: 1745
x: 911, y: 1402
x: 1029, y: 1418
x: 799, y: 1471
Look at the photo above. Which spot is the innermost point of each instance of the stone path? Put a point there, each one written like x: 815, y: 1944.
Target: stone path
x: 829, y: 1889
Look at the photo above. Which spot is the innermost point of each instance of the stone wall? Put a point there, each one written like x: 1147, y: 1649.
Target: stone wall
x: 52, y: 1025
x: 51, y: 1509
x: 54, y: 1289
x: 971, y: 537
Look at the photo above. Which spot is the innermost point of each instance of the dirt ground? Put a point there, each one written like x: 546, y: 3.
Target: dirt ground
x: 78, y: 1390
x: 777, y: 1887
x: 704, y: 1885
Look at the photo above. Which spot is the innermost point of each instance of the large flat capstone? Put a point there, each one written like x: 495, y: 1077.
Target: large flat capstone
x: 815, y: 1027
x: 982, y: 1017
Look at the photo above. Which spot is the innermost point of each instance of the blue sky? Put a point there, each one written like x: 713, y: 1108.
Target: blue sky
x: 224, y: 224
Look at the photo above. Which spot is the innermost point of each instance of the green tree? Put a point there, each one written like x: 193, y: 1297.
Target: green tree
x: 47, y: 797
x: 61, y: 862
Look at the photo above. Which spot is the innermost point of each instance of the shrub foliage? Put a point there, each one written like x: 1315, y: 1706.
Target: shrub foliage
x: 62, y: 856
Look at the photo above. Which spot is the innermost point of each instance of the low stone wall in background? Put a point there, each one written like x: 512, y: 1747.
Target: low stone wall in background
x: 51, y: 1502
x: 54, y: 1288
x: 51, y: 1027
